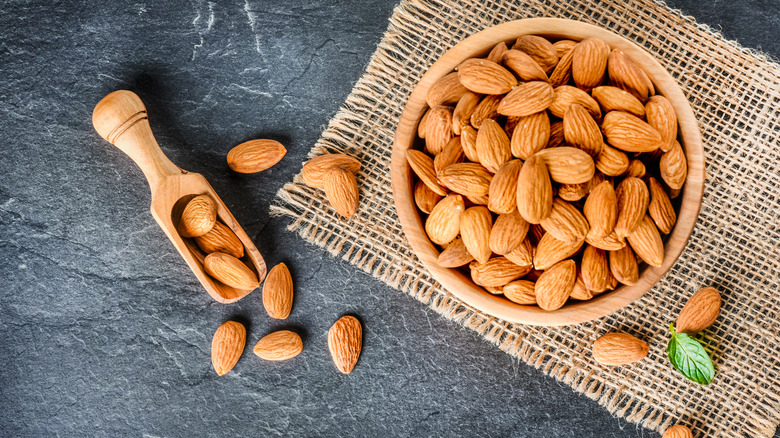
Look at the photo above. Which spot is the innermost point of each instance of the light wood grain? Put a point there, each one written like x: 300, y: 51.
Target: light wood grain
x: 460, y: 284
x: 121, y: 119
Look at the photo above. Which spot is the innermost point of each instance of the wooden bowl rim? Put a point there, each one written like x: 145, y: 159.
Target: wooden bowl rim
x: 461, y: 285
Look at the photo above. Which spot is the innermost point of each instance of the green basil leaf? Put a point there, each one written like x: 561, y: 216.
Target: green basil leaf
x: 688, y: 356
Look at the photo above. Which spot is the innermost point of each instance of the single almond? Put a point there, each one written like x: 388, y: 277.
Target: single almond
x: 626, y: 74
x: 530, y: 135
x: 523, y: 254
x: 565, y: 222
x: 636, y: 169
x: 227, y: 346
x: 443, y: 224
x: 579, y: 292
x: 475, y: 225
x: 562, y: 73
x: 221, y: 239
x: 493, y: 147
x: 438, y: 129
x: 461, y: 116
x: 646, y: 242
x: 526, y: 99
x: 485, y: 77
x: 502, y: 194
x: 345, y: 340
x: 446, y: 91
x: 629, y: 133
x: 575, y: 192
x: 565, y: 95
x: 421, y: 125
x: 497, y: 52
x: 468, y: 142
x: 674, y: 166
x: 595, y: 269
x: 661, y: 116
x: 619, y: 349
x: 609, y: 243
x: 507, y: 233
x: 486, y: 109
x: 534, y: 191
x: 700, y: 312
x: 451, y: 154
x: 314, y: 170
x: 615, y: 99
x: 230, y: 271
x: 198, y: 217
x: 422, y: 165
x: 520, y: 292
x: 555, y: 284
x: 469, y: 179
x: 525, y: 67
x: 589, y: 63
x: 495, y: 290
x: 632, y: 201
x: 425, y: 198
x: 281, y: 345
x: 538, y: 48
x: 278, y: 292
x: 623, y: 265
x: 612, y: 162
x: 563, y: 47
x: 341, y: 189
x: 556, y: 135
x: 255, y: 155
x: 601, y: 210
x: 455, y: 255
x: 581, y: 131
x: 476, y: 200
x: 550, y: 251
x: 497, y: 271
x: 568, y: 165
x: 660, y: 207
x: 678, y: 431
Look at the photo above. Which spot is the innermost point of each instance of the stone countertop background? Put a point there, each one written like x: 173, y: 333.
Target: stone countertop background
x: 105, y: 332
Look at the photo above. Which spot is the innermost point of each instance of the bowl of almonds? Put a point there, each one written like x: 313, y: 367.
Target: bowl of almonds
x: 547, y: 171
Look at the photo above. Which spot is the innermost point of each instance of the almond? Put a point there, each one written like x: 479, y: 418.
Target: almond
x: 230, y: 271
x: 422, y: 165
x: 563, y: 47
x: 575, y: 192
x: 555, y: 284
x: 492, y: 145
x: 221, y: 239
x: 609, y: 243
x: 589, y: 63
x: 562, y: 73
x: 623, y: 265
x: 661, y: 116
x: 538, y: 48
x: 443, y: 224
x: 497, y: 52
x: 461, y: 116
x: 421, y: 125
x: 647, y: 243
x: 502, y: 194
x: 550, y: 251
x: 446, y: 91
x: 469, y: 179
x: 227, y: 346
x: 700, y: 312
x: 615, y: 99
x: 255, y: 155
x: 626, y: 74
x: 507, y: 233
x: 451, y: 154
x: 556, y: 134
x: 619, y: 349
x: 678, y: 431
x: 581, y: 131
x: 425, y: 198
x: 566, y: 95
x: 477, y: 200
x: 497, y: 271
x: 520, y: 292
x: 314, y: 170
x: 475, y: 225
x: 281, y: 345
x: 612, y: 162
x: 198, y: 217
x: 579, y: 292
x: 636, y: 169
x: 534, y: 191
x: 341, y: 189
x: 485, y: 77
x: 629, y: 133
x: 510, y: 125
x: 632, y: 201
x: 530, y: 135
x: 345, y: 340
x: 568, y: 165
x: 565, y: 222
x: 526, y: 99
x: 523, y: 66
x: 487, y: 108
x: 523, y: 254
x: 438, y: 129
x: 595, y: 269
x: 601, y: 210
x: 455, y: 255
x: 674, y: 166
x: 468, y: 142
x: 278, y: 292
x: 495, y: 290
x: 660, y: 208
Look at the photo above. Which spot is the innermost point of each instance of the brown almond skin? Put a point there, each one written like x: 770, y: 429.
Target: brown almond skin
x: 221, y: 239
x: 534, y: 191
x: 635, y: 169
x: 629, y: 133
x: 609, y: 243
x: 468, y: 141
x: 493, y: 147
x: 660, y: 208
x: 623, y: 265
x: 566, y: 95
x: 589, y: 63
x: 443, y: 224
x: 531, y: 135
x: 230, y: 271
x: 568, y: 165
x: 255, y: 155
x: 700, y: 312
x: 626, y: 74
x: 595, y: 269
x: 550, y: 251
x: 475, y: 225
x: 278, y: 292
x: 523, y: 254
x: 345, y: 340
x: 280, y: 345
x: 581, y: 131
x: 455, y: 255
x: 502, y: 194
x: 611, y: 161
x: 678, y: 431
x: 562, y: 73
x: 619, y: 349
x: 486, y: 109
x: 525, y: 67
x: 538, y: 48
x: 497, y: 271
x: 198, y: 217
x: 314, y: 170
x: 451, y: 154
x: 422, y: 165
x: 341, y: 189
x: 563, y: 47
x: 227, y: 346
x: 615, y: 99
x: 461, y: 116
x: 469, y: 179
x: 579, y: 292
x: 485, y: 77
x: 438, y: 129
x: 520, y: 292
x: 601, y: 210
x: 661, y: 116
x: 508, y: 232
x: 555, y: 284
x: 497, y: 52
x: 421, y: 125
x: 446, y: 91
x: 646, y: 242
x: 674, y: 167
x: 633, y: 197
x: 526, y: 99
x: 556, y: 134
x: 425, y: 198
x: 565, y: 222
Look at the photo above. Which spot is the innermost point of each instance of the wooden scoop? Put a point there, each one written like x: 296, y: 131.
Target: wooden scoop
x: 121, y: 119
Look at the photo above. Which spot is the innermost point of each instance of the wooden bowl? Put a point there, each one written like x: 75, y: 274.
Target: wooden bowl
x: 458, y: 282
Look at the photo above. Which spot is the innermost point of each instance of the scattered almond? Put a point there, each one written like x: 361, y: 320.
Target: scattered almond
x: 619, y: 349
x: 278, y: 292
x: 700, y: 312
x: 341, y: 189
x: 345, y: 340
x: 314, y: 170
x: 678, y: 431
x: 281, y: 345
x: 227, y: 346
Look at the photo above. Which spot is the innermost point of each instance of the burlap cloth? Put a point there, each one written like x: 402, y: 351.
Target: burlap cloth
x: 735, y: 94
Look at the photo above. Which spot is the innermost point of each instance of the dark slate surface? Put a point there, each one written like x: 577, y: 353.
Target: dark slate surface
x: 105, y: 331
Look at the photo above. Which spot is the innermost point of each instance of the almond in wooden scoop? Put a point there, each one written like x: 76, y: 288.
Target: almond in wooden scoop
x: 198, y: 217
x: 221, y: 239
x: 255, y: 155
x: 230, y: 271
x: 227, y: 346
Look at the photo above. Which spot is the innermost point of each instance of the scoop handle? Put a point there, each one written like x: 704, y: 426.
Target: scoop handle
x: 121, y: 119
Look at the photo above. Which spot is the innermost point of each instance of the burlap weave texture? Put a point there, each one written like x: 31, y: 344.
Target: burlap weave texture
x: 735, y: 94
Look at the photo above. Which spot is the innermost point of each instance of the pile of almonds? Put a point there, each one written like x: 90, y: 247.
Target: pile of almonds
x: 548, y: 169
